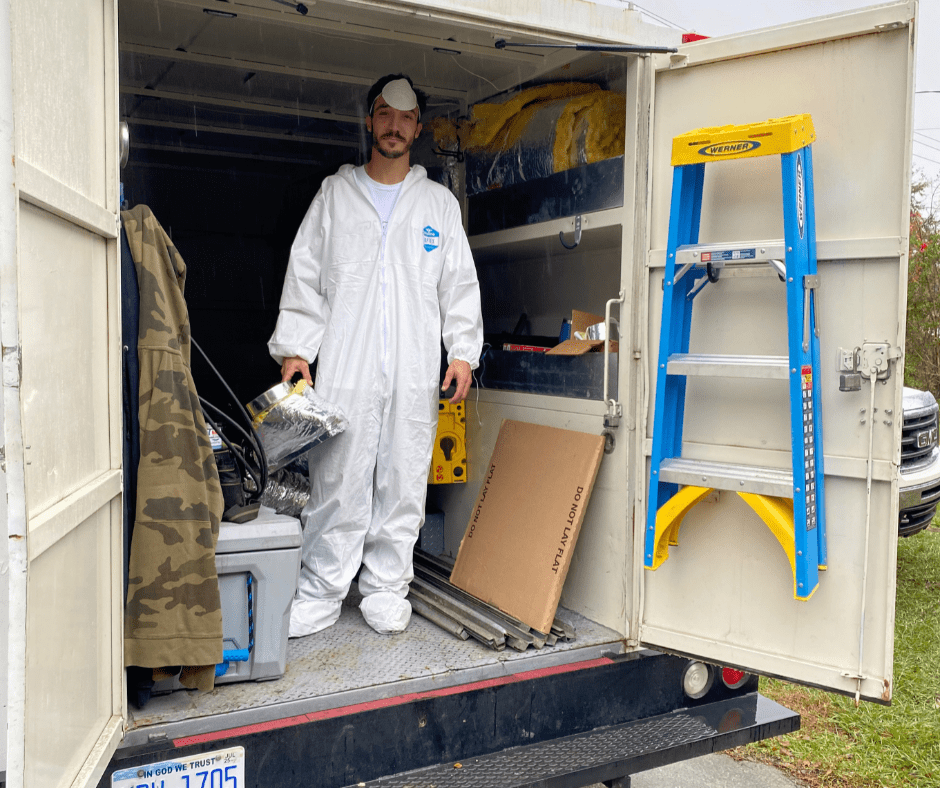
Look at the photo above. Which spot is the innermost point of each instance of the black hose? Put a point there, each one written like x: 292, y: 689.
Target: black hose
x: 253, y: 439
x: 241, y: 408
x: 236, y: 451
x: 234, y: 448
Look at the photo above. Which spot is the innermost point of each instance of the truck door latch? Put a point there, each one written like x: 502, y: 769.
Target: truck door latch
x: 870, y: 360
x: 874, y: 359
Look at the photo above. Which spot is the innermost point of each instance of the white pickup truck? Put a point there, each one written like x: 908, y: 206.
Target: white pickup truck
x: 920, y: 463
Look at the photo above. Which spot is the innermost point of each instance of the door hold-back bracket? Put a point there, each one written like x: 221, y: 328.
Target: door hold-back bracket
x: 614, y: 408
x: 577, y: 234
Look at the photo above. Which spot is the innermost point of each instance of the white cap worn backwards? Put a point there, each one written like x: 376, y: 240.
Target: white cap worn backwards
x: 399, y: 95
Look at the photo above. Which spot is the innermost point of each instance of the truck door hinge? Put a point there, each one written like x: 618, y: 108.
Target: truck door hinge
x: 678, y: 60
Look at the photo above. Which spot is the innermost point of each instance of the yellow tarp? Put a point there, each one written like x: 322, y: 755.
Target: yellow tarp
x: 590, y: 114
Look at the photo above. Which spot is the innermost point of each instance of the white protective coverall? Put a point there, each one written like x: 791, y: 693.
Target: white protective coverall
x: 375, y: 323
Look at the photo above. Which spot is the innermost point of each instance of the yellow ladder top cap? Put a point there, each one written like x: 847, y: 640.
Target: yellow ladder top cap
x: 767, y: 138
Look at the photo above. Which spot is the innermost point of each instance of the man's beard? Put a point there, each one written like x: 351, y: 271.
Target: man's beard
x: 391, y: 154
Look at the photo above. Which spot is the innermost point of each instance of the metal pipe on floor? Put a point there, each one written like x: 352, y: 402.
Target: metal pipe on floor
x: 481, y: 629
x: 435, y: 616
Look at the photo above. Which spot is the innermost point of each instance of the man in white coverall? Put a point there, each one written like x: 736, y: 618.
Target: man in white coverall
x: 379, y: 272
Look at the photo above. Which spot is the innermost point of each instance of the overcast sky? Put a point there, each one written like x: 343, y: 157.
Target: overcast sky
x: 722, y: 17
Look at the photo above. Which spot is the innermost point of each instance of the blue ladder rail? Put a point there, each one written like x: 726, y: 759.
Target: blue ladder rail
x: 799, y: 524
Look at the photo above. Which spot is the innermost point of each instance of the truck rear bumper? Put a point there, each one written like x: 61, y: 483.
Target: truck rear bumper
x: 611, y: 753
x: 608, y: 716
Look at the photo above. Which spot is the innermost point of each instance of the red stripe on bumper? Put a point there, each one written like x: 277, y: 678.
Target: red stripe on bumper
x: 326, y: 714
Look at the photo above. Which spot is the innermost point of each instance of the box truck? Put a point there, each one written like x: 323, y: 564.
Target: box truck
x: 236, y: 109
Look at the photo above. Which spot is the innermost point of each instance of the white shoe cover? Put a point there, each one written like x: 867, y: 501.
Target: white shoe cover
x: 386, y: 612
x: 311, y: 615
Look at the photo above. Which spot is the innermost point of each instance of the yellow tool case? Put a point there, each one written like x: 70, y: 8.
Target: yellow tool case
x: 449, y: 463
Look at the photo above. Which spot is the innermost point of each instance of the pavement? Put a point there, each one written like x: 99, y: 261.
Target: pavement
x: 712, y: 771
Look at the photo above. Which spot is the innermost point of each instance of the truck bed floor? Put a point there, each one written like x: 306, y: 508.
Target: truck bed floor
x: 350, y: 663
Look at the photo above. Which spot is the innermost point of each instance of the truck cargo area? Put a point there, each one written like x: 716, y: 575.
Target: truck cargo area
x: 350, y: 664
x: 236, y: 113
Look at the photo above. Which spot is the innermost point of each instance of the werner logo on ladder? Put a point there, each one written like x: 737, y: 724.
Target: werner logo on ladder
x: 790, y: 502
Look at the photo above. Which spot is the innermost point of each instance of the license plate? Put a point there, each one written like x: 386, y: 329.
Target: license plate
x: 218, y: 769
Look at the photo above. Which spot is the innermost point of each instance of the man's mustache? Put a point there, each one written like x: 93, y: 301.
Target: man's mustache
x: 394, y: 136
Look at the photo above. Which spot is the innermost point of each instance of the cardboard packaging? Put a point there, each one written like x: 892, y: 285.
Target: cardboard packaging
x: 517, y: 548
x: 449, y: 461
x: 575, y: 346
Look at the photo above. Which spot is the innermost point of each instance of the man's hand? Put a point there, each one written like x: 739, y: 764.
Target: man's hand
x: 292, y: 366
x: 458, y: 372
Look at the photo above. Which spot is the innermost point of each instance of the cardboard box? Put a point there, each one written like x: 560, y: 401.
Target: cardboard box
x: 523, y: 528
x: 580, y: 321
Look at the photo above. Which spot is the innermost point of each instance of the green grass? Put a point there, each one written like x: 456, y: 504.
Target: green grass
x: 841, y: 746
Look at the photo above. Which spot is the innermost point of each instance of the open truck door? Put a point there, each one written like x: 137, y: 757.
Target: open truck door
x: 727, y: 593
x: 61, y: 389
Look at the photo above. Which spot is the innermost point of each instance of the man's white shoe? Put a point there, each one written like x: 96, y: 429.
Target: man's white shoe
x: 386, y: 612
x: 312, y: 615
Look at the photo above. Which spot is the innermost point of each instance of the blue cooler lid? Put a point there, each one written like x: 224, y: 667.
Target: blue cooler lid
x: 268, y: 531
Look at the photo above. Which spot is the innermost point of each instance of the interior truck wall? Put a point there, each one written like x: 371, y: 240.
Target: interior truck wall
x: 233, y: 220
x: 601, y: 583
x: 596, y: 584
x: 547, y: 288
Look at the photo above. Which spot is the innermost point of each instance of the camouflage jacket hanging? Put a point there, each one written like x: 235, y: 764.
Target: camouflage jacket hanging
x: 173, y: 615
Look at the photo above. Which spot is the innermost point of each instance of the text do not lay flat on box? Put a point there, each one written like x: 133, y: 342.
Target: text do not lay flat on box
x: 522, y: 531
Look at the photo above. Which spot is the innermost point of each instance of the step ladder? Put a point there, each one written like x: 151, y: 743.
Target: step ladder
x: 790, y: 501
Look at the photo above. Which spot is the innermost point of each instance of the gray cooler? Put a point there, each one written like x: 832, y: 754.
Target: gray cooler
x: 258, y: 564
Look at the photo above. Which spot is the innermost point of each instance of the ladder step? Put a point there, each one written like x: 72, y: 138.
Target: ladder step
x: 731, y: 252
x: 727, y: 476
x: 767, y: 138
x: 709, y: 365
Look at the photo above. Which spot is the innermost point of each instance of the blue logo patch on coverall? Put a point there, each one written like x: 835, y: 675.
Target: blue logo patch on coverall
x: 432, y: 239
